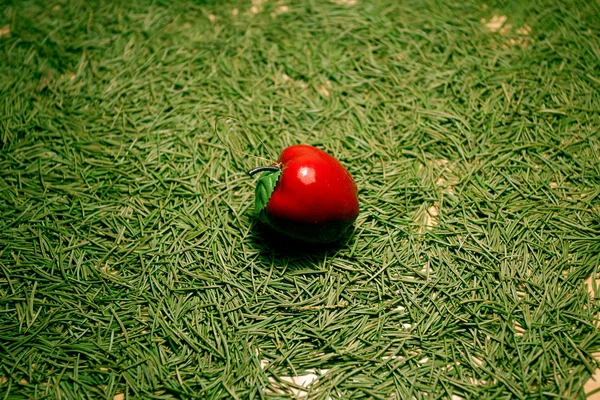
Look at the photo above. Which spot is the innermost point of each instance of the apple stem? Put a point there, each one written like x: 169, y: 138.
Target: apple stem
x: 272, y: 168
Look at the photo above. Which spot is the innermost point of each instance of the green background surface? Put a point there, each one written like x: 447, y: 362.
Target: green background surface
x: 131, y: 261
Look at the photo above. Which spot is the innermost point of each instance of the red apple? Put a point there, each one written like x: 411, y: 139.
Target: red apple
x: 307, y: 195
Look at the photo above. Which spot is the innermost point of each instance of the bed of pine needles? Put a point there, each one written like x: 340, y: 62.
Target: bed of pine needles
x: 131, y: 261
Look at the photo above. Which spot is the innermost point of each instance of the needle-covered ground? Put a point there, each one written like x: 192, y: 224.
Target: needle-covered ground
x: 131, y: 262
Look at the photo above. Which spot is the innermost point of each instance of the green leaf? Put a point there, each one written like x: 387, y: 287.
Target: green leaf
x: 264, y: 189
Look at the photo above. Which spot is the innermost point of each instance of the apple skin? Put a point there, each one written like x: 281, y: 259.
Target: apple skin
x: 315, y: 199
